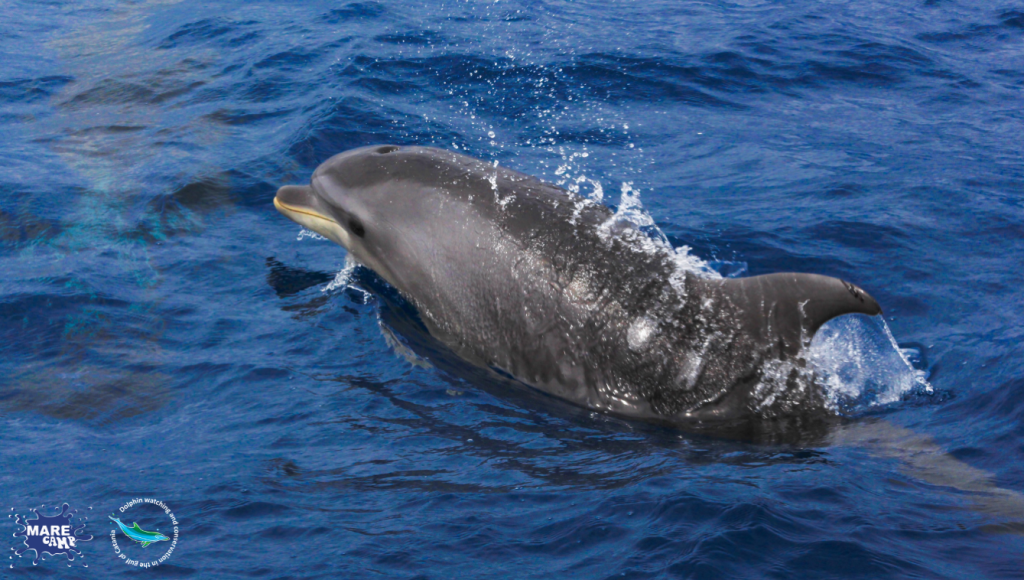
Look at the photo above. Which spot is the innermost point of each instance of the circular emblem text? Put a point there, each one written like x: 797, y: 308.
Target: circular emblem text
x: 135, y: 539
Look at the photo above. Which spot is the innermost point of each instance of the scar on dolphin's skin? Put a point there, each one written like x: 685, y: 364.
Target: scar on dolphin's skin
x: 855, y: 291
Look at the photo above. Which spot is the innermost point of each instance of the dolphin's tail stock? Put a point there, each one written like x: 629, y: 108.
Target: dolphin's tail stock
x: 786, y: 309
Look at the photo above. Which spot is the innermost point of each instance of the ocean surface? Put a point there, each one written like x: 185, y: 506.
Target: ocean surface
x: 165, y: 334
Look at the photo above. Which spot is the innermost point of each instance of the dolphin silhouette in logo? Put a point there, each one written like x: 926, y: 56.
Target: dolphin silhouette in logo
x: 140, y: 535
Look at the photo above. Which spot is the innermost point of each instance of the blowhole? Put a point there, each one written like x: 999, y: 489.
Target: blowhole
x: 386, y: 149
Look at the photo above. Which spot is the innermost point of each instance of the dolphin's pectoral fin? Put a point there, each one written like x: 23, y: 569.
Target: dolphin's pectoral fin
x: 144, y: 544
x: 789, y: 308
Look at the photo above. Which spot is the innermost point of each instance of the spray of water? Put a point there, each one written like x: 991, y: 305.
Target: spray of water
x: 304, y: 233
x: 861, y: 366
x: 649, y: 236
x: 855, y: 358
x: 345, y: 279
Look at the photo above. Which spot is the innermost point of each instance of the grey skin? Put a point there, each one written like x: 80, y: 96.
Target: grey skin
x: 519, y: 275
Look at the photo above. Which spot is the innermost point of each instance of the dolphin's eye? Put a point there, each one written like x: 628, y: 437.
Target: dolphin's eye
x: 356, y: 227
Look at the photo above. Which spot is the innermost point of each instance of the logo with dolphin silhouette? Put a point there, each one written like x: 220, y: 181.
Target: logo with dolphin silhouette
x: 138, y: 534
x: 53, y: 535
x: 143, y: 538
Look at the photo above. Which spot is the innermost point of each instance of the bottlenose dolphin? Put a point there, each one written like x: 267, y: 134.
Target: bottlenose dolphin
x: 522, y: 276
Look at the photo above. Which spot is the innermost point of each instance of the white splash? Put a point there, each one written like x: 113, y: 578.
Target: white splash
x: 304, y: 233
x: 630, y: 208
x: 860, y: 365
x: 571, y: 165
x: 597, y: 195
x: 344, y: 279
x: 631, y: 211
x: 493, y: 180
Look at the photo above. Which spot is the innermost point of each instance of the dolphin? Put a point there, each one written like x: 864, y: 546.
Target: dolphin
x: 524, y: 277
x: 138, y: 534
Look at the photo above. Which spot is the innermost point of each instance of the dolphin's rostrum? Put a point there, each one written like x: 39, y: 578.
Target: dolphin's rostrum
x: 520, y: 275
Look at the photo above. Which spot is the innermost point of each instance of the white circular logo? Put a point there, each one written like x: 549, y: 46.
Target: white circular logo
x: 160, y: 530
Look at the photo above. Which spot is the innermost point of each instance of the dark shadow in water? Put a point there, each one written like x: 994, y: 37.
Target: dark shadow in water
x: 23, y: 228
x: 922, y: 459
x: 90, y: 394
x: 287, y: 281
x: 183, y: 212
x: 192, y: 206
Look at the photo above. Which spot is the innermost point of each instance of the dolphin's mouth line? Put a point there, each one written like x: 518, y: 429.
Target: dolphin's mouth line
x: 280, y: 205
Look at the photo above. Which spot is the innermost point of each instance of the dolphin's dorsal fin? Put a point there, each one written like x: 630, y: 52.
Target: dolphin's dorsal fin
x: 135, y: 526
x: 788, y: 308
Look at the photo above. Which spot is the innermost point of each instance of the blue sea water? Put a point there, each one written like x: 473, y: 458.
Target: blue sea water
x: 166, y: 334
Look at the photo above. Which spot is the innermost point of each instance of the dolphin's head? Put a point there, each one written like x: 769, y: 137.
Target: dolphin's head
x: 160, y: 537
x: 382, y: 203
x: 333, y: 204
